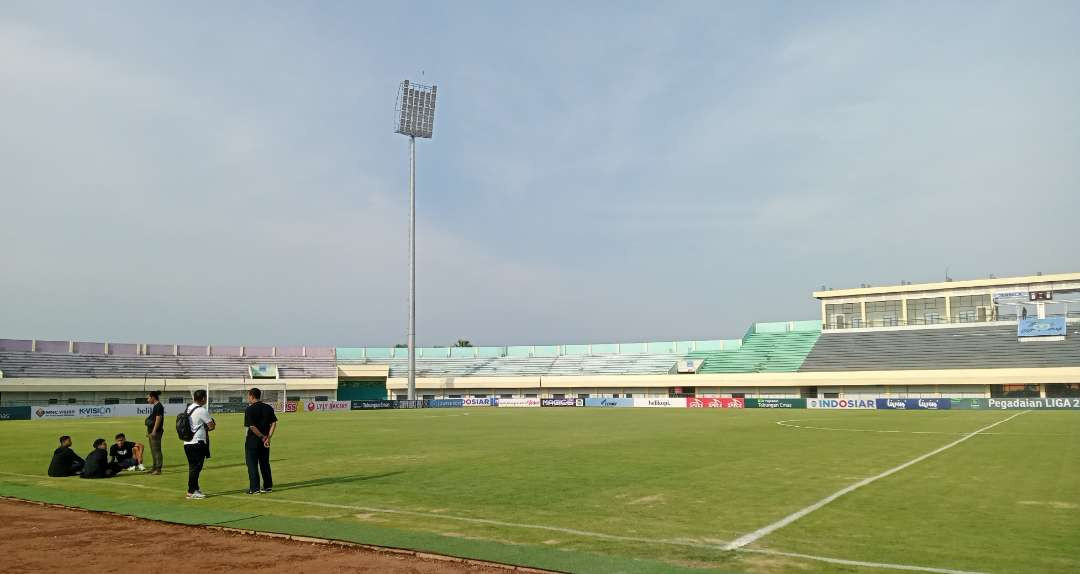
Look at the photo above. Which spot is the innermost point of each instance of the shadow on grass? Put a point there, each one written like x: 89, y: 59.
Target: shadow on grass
x: 328, y: 480
x: 182, y: 468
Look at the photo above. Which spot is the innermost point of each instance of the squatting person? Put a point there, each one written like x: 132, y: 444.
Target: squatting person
x: 197, y: 449
x: 64, y: 460
x: 155, y: 428
x: 97, y: 462
x: 125, y: 454
x: 261, y: 422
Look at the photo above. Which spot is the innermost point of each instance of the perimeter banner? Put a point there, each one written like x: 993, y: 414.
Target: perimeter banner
x: 776, y: 403
x: 406, y: 404
x: 679, y: 403
x: 482, y: 402
x: 326, y: 406
x: 1058, y: 403
x: 562, y: 402
x: 715, y: 403
x: 841, y: 403
x: 14, y: 413
x: 371, y: 404
x: 518, y: 403
x: 608, y: 403
x: 914, y: 404
x: 442, y: 403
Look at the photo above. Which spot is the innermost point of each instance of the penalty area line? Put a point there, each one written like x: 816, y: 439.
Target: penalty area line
x: 769, y: 529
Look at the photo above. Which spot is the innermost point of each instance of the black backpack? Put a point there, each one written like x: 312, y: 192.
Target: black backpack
x: 183, y: 424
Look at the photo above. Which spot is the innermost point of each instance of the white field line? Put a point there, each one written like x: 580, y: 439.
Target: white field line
x: 584, y: 533
x: 845, y: 562
x: 769, y: 529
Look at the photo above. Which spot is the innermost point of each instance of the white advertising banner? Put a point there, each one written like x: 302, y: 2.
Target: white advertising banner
x: 96, y: 411
x: 518, y: 403
x: 841, y: 403
x: 661, y: 403
x: 324, y: 406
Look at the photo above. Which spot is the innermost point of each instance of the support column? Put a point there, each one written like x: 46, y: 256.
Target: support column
x: 948, y: 309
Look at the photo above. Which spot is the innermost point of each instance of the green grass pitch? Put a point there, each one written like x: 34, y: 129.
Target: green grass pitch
x: 622, y: 490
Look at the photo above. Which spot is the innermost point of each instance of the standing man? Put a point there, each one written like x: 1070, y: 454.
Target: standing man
x: 155, y: 427
x: 261, y: 422
x: 198, y: 448
x: 64, y: 460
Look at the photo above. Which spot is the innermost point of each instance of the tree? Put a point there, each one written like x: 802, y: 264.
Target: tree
x: 463, y: 343
x: 401, y: 346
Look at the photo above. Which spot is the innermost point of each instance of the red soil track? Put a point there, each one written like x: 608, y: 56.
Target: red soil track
x: 39, y: 538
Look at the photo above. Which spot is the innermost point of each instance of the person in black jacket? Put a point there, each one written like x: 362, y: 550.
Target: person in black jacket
x: 97, y: 462
x: 64, y: 460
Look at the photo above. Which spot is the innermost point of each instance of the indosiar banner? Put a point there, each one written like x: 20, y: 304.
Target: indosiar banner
x: 479, y: 402
x: 1033, y: 403
x: 14, y: 413
x: 369, y: 405
x: 914, y: 404
x: 841, y: 404
x: 776, y: 403
x: 608, y: 402
x: 715, y: 403
x: 443, y: 403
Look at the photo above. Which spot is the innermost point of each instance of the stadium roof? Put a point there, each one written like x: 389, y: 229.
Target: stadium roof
x: 942, y: 286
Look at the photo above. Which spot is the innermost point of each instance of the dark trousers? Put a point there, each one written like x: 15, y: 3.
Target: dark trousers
x: 258, y: 461
x: 155, y: 449
x: 196, y: 456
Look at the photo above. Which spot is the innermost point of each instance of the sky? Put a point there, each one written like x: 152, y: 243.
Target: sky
x: 227, y: 173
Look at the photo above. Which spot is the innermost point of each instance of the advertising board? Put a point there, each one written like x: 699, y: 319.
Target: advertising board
x: 608, y: 402
x: 776, y: 403
x: 1033, y: 403
x: 672, y: 403
x: 1048, y: 327
x: 562, y: 402
x: 914, y: 404
x: 442, y: 403
x: 326, y: 406
x: 369, y: 405
x: 14, y: 413
x: 715, y: 403
x: 841, y: 403
x: 478, y: 402
x: 414, y: 404
x: 518, y: 403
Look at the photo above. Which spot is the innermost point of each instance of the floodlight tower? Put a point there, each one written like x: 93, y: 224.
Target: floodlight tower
x: 415, y: 118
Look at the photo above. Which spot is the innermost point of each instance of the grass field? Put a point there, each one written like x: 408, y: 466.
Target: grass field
x: 624, y: 490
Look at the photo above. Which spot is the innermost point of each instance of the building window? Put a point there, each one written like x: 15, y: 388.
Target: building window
x: 629, y: 395
x: 842, y: 315
x: 322, y: 398
x: 71, y: 400
x: 883, y: 313
x: 479, y: 396
x: 402, y: 397
x: 927, y: 311
x: 54, y: 401
x: 615, y: 396
x: 293, y: 398
x: 112, y: 401
x: 738, y: 395
x: 429, y: 397
x: 832, y: 395
x: 583, y: 395
x: 970, y: 308
x: 506, y: 396
x: 559, y: 395
x: 455, y: 396
x: 530, y: 395
x: 1014, y: 391
x: 1061, y: 390
x: 180, y: 400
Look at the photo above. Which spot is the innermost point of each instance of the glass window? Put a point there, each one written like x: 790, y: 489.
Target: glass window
x: 1060, y: 390
x: 842, y: 315
x: 180, y: 400
x: 883, y: 313
x: 970, y: 308
x: 322, y: 398
x: 583, y: 395
x: 506, y: 396
x: 559, y: 395
x: 71, y: 401
x: 112, y: 401
x: 530, y: 395
x: 54, y: 401
x: 832, y: 395
x: 629, y: 395
x: 455, y: 396
x: 1014, y: 391
x: 929, y: 311
x: 429, y: 397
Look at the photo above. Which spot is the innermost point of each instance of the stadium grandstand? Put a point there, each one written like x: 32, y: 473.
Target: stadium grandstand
x: 1000, y: 337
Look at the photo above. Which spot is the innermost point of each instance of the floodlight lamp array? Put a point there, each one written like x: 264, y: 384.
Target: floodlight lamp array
x: 415, y: 109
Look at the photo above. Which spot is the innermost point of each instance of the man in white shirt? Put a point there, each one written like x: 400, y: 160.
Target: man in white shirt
x: 198, y: 448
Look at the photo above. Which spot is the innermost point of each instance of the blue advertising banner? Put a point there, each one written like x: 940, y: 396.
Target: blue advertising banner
x: 443, y: 403
x: 599, y: 402
x: 1048, y: 327
x: 14, y: 413
x: 914, y: 404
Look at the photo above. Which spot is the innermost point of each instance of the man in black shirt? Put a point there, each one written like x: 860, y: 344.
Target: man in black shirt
x: 97, y: 462
x: 125, y: 454
x: 155, y: 428
x: 64, y: 460
x: 261, y: 422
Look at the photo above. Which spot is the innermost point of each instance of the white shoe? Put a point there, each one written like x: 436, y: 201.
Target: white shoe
x: 196, y: 496
x: 141, y: 467
x: 130, y: 468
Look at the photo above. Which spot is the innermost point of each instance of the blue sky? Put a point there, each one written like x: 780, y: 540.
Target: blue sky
x: 207, y: 173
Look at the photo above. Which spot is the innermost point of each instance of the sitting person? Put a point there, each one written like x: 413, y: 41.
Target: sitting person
x: 64, y: 460
x: 125, y: 454
x: 97, y: 463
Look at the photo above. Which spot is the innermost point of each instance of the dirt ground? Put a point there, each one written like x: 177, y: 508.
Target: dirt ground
x: 37, y: 538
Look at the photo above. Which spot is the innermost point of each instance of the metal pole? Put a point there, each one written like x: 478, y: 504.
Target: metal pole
x: 412, y: 268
